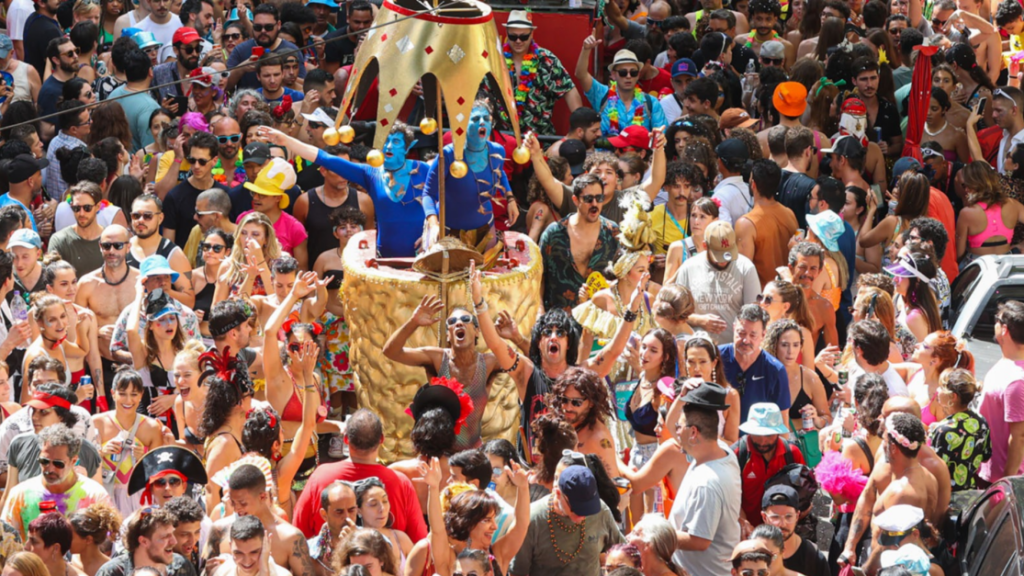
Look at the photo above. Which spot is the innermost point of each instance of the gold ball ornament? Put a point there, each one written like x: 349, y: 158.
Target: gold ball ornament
x: 375, y: 158
x: 331, y: 136
x: 428, y: 126
x: 521, y: 154
x: 459, y: 169
x: 347, y: 134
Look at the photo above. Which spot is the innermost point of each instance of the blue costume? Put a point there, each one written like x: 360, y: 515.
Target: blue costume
x: 468, y: 198
x: 399, y: 222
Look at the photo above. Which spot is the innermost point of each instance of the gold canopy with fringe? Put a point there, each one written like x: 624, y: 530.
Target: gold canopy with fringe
x: 455, y: 44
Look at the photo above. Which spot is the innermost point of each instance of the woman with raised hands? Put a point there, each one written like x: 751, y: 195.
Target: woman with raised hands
x: 247, y: 271
x: 56, y: 320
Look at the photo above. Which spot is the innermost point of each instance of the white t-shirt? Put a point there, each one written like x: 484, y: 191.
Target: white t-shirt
x: 1006, y: 145
x: 893, y: 381
x: 736, y: 199
x: 64, y: 217
x: 671, y: 107
x: 708, y: 506
x: 661, y: 60
x: 163, y: 32
x: 17, y: 14
x: 721, y: 292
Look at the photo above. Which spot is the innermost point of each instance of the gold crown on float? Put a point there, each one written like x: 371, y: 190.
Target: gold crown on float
x: 457, y: 43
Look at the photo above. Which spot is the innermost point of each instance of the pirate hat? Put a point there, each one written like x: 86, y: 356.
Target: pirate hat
x: 164, y: 459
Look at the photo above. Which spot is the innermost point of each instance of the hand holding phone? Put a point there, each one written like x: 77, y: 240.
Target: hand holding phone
x: 981, y: 106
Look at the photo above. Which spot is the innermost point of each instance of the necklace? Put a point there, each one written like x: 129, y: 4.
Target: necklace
x: 559, y: 553
x: 527, y: 73
x: 937, y: 132
x: 613, y: 110
x: 103, y: 272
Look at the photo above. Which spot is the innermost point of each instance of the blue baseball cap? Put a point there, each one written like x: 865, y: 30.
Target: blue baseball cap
x: 328, y: 3
x: 684, y: 67
x: 25, y: 238
x: 5, y: 45
x: 580, y: 489
x: 157, y: 265
x: 130, y: 31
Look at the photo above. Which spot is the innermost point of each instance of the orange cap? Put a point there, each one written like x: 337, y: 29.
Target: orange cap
x: 790, y: 99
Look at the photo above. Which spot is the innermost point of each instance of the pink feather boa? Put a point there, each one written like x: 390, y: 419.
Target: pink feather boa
x: 837, y: 476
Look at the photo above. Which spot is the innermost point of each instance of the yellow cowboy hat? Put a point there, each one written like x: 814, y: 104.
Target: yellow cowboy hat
x: 274, y: 178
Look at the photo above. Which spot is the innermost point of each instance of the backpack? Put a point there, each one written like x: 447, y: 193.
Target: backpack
x: 744, y: 454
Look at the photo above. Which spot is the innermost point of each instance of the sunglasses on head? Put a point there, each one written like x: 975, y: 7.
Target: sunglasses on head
x: 771, y: 61
x: 87, y: 208
x: 215, y: 248
x: 200, y: 161
x: 233, y: 36
x: 630, y: 73
x: 576, y: 402
x: 172, y: 481
x: 519, y: 37
x: 58, y: 464
x: 588, y: 198
x: 112, y: 245
x: 147, y: 216
x: 465, y: 319
x: 263, y: 27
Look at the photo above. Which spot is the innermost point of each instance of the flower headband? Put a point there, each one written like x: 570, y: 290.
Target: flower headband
x: 890, y: 427
x: 281, y: 109
x: 465, y: 401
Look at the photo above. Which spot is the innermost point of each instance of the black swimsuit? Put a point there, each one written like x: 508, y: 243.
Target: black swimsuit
x: 801, y: 400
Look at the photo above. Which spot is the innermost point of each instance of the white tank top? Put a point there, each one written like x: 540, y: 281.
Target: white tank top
x: 22, y: 89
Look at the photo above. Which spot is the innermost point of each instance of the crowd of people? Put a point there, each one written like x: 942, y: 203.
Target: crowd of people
x: 742, y: 364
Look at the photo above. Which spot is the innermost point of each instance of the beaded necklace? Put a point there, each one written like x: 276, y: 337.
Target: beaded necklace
x: 753, y: 34
x: 552, y: 518
x: 527, y: 73
x: 613, y: 112
x: 239, y: 174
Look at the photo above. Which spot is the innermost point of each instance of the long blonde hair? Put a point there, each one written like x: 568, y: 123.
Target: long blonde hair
x: 28, y: 564
x: 271, y: 248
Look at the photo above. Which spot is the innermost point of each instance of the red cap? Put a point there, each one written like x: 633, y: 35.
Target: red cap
x: 185, y: 35
x: 42, y: 401
x: 633, y: 135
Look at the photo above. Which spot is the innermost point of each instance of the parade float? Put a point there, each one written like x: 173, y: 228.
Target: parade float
x: 452, y: 47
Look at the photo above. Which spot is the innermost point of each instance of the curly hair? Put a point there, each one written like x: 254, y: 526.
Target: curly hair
x: 551, y: 436
x: 699, y: 151
x: 597, y: 158
x: 559, y: 168
x: 222, y: 397
x: 748, y: 137
x: 556, y: 318
x: 592, y: 388
x: 364, y: 542
x: 433, y: 434
x: 467, y: 510
x: 684, y: 171
x: 258, y: 435
x: 911, y: 428
x: 96, y: 522
x: 775, y: 331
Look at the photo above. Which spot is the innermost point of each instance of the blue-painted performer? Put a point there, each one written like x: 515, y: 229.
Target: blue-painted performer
x: 396, y: 187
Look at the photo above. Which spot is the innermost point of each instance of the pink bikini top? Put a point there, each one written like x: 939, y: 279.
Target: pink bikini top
x: 995, y: 227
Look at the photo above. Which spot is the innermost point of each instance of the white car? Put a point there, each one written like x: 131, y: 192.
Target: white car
x: 975, y: 298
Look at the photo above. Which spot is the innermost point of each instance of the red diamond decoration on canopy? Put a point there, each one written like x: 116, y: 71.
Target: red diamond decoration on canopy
x: 384, y: 122
x: 393, y: 92
x: 461, y: 100
x: 428, y: 50
x: 484, y: 54
x: 459, y: 131
x: 383, y: 37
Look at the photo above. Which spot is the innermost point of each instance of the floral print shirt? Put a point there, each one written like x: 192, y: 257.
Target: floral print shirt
x: 552, y: 84
x: 962, y: 441
x: 562, y: 280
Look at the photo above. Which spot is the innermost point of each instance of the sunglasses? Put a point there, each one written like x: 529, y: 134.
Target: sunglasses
x: 263, y: 27
x: 659, y: 24
x: 87, y: 208
x: 519, y: 37
x: 112, y: 245
x: 172, y: 481
x: 741, y: 379
x: 147, y: 216
x: 215, y: 248
x: 556, y: 332
x: 465, y: 319
x: 58, y: 464
x: 936, y: 23
x: 766, y: 300
x: 235, y: 36
x: 234, y: 138
x: 200, y: 161
x: 576, y: 402
x: 294, y: 347
x: 71, y: 53
x: 595, y: 198
x: 631, y: 73
x: 772, y: 61
x: 191, y: 49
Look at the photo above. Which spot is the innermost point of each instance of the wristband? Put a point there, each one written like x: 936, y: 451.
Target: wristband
x: 629, y: 316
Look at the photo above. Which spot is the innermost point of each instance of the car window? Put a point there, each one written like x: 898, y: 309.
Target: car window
x: 962, y: 288
x: 984, y: 327
x: 982, y: 517
x: 1001, y: 550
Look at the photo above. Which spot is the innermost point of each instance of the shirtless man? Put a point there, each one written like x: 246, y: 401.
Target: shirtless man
x: 110, y: 289
x: 902, y: 481
x: 250, y: 551
x: 283, y: 272
x: 581, y: 398
x: 249, y: 497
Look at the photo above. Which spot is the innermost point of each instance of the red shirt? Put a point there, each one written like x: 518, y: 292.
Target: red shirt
x: 756, y: 473
x: 405, y: 506
x: 940, y: 209
x: 655, y: 85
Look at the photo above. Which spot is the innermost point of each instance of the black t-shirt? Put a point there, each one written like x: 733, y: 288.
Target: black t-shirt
x: 949, y: 185
x: 309, y: 177
x: 794, y: 192
x: 342, y: 50
x: 180, y: 209
x: 39, y: 30
x: 888, y: 120
x: 807, y: 560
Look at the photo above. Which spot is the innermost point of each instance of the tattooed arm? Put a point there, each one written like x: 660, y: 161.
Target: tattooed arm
x: 299, y: 562
x: 861, y: 521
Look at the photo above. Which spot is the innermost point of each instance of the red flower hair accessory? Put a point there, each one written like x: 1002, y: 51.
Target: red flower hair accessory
x: 271, y: 417
x: 281, y: 109
x: 431, y: 396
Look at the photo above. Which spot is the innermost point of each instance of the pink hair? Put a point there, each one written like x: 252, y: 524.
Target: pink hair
x: 836, y: 475
x: 195, y: 120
